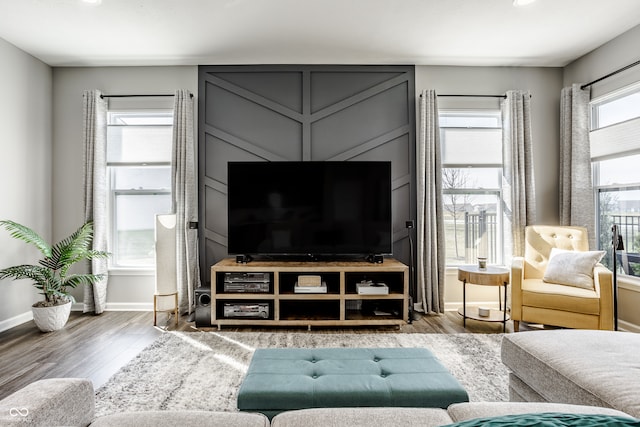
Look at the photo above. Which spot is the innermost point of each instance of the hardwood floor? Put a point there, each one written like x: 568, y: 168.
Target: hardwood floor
x: 96, y: 347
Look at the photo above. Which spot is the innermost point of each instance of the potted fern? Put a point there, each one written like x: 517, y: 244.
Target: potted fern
x: 51, y: 275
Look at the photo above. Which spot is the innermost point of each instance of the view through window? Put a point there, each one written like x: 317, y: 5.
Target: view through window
x: 615, y: 123
x: 471, y: 142
x: 139, y: 175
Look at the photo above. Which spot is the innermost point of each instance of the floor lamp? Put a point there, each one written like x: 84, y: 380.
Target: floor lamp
x: 165, y: 297
x: 616, y: 245
x: 412, y: 276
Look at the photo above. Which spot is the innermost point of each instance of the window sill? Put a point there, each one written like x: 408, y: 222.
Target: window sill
x: 631, y: 283
x: 121, y: 271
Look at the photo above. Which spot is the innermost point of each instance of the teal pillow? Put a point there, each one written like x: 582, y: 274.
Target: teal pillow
x: 550, y: 419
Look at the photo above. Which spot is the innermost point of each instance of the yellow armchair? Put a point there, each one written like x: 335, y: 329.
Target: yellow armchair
x: 535, y: 300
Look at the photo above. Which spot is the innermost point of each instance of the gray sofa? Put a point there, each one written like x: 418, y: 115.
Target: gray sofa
x: 70, y: 402
x: 587, y: 367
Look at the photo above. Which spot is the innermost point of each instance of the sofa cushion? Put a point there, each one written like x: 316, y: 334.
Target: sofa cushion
x: 587, y: 367
x: 50, y: 402
x: 182, y: 418
x: 572, y: 268
x: 362, y: 417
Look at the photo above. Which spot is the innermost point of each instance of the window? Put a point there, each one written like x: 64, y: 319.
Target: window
x: 139, y: 175
x: 471, y: 142
x: 616, y: 109
x: 615, y: 151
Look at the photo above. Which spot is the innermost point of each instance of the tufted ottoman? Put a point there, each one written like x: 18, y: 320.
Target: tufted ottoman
x: 295, y: 378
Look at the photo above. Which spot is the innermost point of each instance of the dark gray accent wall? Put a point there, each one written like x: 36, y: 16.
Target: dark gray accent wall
x: 306, y: 112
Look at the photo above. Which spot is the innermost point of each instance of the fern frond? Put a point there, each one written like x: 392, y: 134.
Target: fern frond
x: 39, y: 275
x: 75, y: 280
x: 50, y: 275
x: 24, y: 233
x: 72, y: 248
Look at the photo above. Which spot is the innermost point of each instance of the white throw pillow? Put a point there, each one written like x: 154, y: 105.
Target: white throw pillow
x: 572, y: 268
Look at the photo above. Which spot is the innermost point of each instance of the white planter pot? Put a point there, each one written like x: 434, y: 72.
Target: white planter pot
x: 50, y: 319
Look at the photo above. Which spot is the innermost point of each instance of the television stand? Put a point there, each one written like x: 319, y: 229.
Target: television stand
x: 375, y: 258
x: 271, y: 296
x: 243, y: 259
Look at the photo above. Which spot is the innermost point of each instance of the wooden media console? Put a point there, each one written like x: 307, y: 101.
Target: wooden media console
x: 340, y: 304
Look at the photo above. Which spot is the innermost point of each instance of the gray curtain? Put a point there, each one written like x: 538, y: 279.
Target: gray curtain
x: 576, y: 190
x: 518, y: 183
x: 185, y: 200
x: 95, y: 190
x: 430, y: 266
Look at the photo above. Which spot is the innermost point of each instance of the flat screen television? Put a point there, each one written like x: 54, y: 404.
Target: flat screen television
x: 309, y: 209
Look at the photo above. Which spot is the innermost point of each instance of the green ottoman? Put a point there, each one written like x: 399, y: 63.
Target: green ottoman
x: 296, y: 378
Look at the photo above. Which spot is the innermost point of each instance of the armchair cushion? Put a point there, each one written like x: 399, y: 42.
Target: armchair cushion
x: 536, y: 293
x: 572, y: 268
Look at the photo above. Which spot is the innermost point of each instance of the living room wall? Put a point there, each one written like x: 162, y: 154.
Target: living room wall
x: 128, y: 290
x: 25, y: 169
x: 545, y: 85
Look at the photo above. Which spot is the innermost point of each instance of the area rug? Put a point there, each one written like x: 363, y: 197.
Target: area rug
x: 204, y: 370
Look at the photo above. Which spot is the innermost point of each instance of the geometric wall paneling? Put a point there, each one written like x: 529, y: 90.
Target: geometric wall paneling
x: 372, y: 111
x: 283, y: 88
x: 259, y: 126
x: 216, y: 220
x: 212, y: 253
x: 217, y: 153
x: 400, y: 198
x: 329, y: 88
x: 396, y: 150
x: 302, y: 112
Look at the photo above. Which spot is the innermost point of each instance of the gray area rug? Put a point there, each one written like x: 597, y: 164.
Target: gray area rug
x: 204, y: 370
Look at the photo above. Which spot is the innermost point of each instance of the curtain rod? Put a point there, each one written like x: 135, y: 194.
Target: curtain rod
x: 610, y: 74
x: 134, y: 96
x: 476, y: 96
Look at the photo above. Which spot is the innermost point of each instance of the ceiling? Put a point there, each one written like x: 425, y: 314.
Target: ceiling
x: 423, y: 32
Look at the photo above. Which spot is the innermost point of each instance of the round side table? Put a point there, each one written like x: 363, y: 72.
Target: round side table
x: 491, y: 276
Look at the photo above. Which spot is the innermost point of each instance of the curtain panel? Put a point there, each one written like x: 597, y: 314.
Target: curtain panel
x: 576, y: 189
x: 430, y: 265
x: 185, y: 200
x: 518, y: 184
x: 95, y: 193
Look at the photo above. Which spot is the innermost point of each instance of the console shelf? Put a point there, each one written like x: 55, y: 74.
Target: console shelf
x: 341, y: 305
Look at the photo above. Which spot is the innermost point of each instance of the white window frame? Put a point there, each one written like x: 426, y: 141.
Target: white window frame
x: 613, y: 141
x: 113, y: 193
x: 497, y: 191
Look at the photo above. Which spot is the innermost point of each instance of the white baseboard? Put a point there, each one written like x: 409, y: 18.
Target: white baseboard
x: 78, y: 306
x: 454, y: 306
x: 127, y: 306
x: 628, y: 327
x: 119, y: 306
x: 16, y: 320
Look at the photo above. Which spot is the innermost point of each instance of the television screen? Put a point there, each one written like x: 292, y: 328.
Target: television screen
x: 309, y: 208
